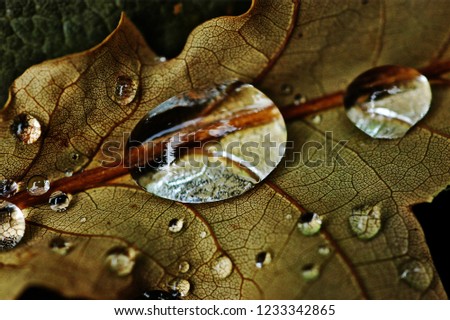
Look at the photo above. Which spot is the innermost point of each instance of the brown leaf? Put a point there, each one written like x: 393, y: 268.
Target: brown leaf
x: 73, y: 97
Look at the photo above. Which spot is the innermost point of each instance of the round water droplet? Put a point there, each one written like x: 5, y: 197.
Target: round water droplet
x: 60, y: 246
x: 324, y: 250
x: 68, y: 173
x: 309, y: 223
x: 83, y: 219
x: 203, y: 234
x: 125, y: 90
x: 158, y: 295
x: 59, y: 201
x: 286, y: 89
x: 121, y: 260
x: 299, y: 99
x: 179, y: 287
x: 208, y: 145
x: 38, y: 185
x: 222, y: 267
x: 385, y: 102
x: 184, y: 266
x: 175, y: 225
x: 8, y: 188
x: 12, y: 225
x: 310, y: 272
x: 26, y: 128
x: 288, y: 216
x: 317, y: 119
x: 365, y: 221
x: 417, y: 274
x: 263, y: 259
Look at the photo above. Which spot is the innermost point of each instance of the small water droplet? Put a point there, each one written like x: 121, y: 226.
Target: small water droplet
x: 211, y: 144
x: 68, y: 173
x: 12, y: 225
x: 288, y: 216
x: 385, y: 102
x: 309, y: 223
x: 286, y: 89
x: 417, y: 274
x: 179, y: 287
x: 60, y: 246
x: 299, y: 99
x: 8, y: 188
x: 83, y: 219
x: 324, y: 250
x: 74, y: 156
x: 203, y: 234
x: 175, y: 225
x: 26, y: 128
x: 184, y: 266
x: 310, y: 272
x: 263, y: 259
x: 121, y: 260
x: 59, y: 201
x: 222, y: 267
x: 38, y: 185
x: 125, y: 90
x: 158, y: 295
x: 365, y: 221
x: 317, y: 119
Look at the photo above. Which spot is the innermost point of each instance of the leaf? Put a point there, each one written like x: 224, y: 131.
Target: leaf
x: 72, y: 97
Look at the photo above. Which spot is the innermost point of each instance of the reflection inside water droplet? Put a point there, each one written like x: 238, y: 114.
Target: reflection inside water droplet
x: 179, y: 287
x: 222, y: 267
x: 12, y: 225
x: 59, y: 201
x: 365, y: 221
x: 418, y: 274
x: 263, y: 259
x: 175, y: 225
x: 60, y: 246
x: 38, y: 185
x: 208, y: 145
x: 299, y: 99
x: 8, y: 188
x: 121, y: 260
x: 309, y: 223
x: 184, y: 267
x: 125, y: 90
x: 385, y: 102
x: 26, y: 128
x: 310, y: 272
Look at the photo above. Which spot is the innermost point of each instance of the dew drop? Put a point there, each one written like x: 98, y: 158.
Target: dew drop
x: 68, y: 173
x: 299, y: 99
x: 59, y: 201
x: 286, y: 89
x: 203, y: 234
x: 317, y: 119
x: 309, y: 223
x: 385, y: 102
x: 83, y: 219
x: 12, y: 225
x: 222, y: 267
x: 175, y: 225
x: 38, y: 185
x: 8, y: 188
x: 365, y: 221
x: 310, y: 272
x: 26, y: 128
x: 263, y: 259
x: 417, y: 274
x: 158, y: 295
x: 210, y: 144
x: 179, y: 287
x: 324, y: 250
x: 288, y: 216
x: 121, y: 260
x: 60, y: 246
x: 184, y: 267
x: 125, y: 90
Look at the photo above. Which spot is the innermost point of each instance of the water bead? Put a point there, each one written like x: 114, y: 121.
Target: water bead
x: 26, y: 128
x: 38, y: 185
x: 12, y: 225
x: 8, y: 188
x: 59, y: 201
x: 365, y: 221
x: 125, y: 90
x: 263, y: 259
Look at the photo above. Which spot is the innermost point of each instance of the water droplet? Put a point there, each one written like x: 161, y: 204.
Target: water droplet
x: 125, y: 90
x: 121, y: 260
x: 317, y: 119
x: 286, y: 89
x: 74, y: 156
x: 299, y: 99
x: 309, y: 223
x: 38, y: 185
x: 160, y: 59
x: 385, y: 102
x: 26, y: 128
x: 310, y: 272
x: 417, y: 274
x: 158, y: 295
x: 8, y: 188
x: 324, y: 250
x: 288, y: 216
x: 184, y: 266
x: 263, y: 259
x: 203, y: 234
x: 175, y: 225
x: 68, y: 173
x: 222, y: 267
x: 12, y: 225
x: 365, y: 221
x: 60, y: 246
x: 209, y: 145
x: 83, y: 219
x: 179, y: 286
x: 59, y: 201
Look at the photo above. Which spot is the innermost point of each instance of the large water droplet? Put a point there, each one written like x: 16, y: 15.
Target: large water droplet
x: 365, y: 221
x: 263, y: 259
x: 208, y: 145
x: 26, y: 128
x: 60, y: 246
x: 125, y: 90
x: 158, y: 295
x: 121, y: 260
x: 309, y: 223
x: 179, y: 287
x: 222, y: 267
x: 184, y: 267
x: 59, y: 201
x: 417, y: 274
x: 385, y: 102
x: 38, y: 185
x: 310, y: 272
x: 12, y: 225
x: 175, y: 225
x: 8, y: 188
